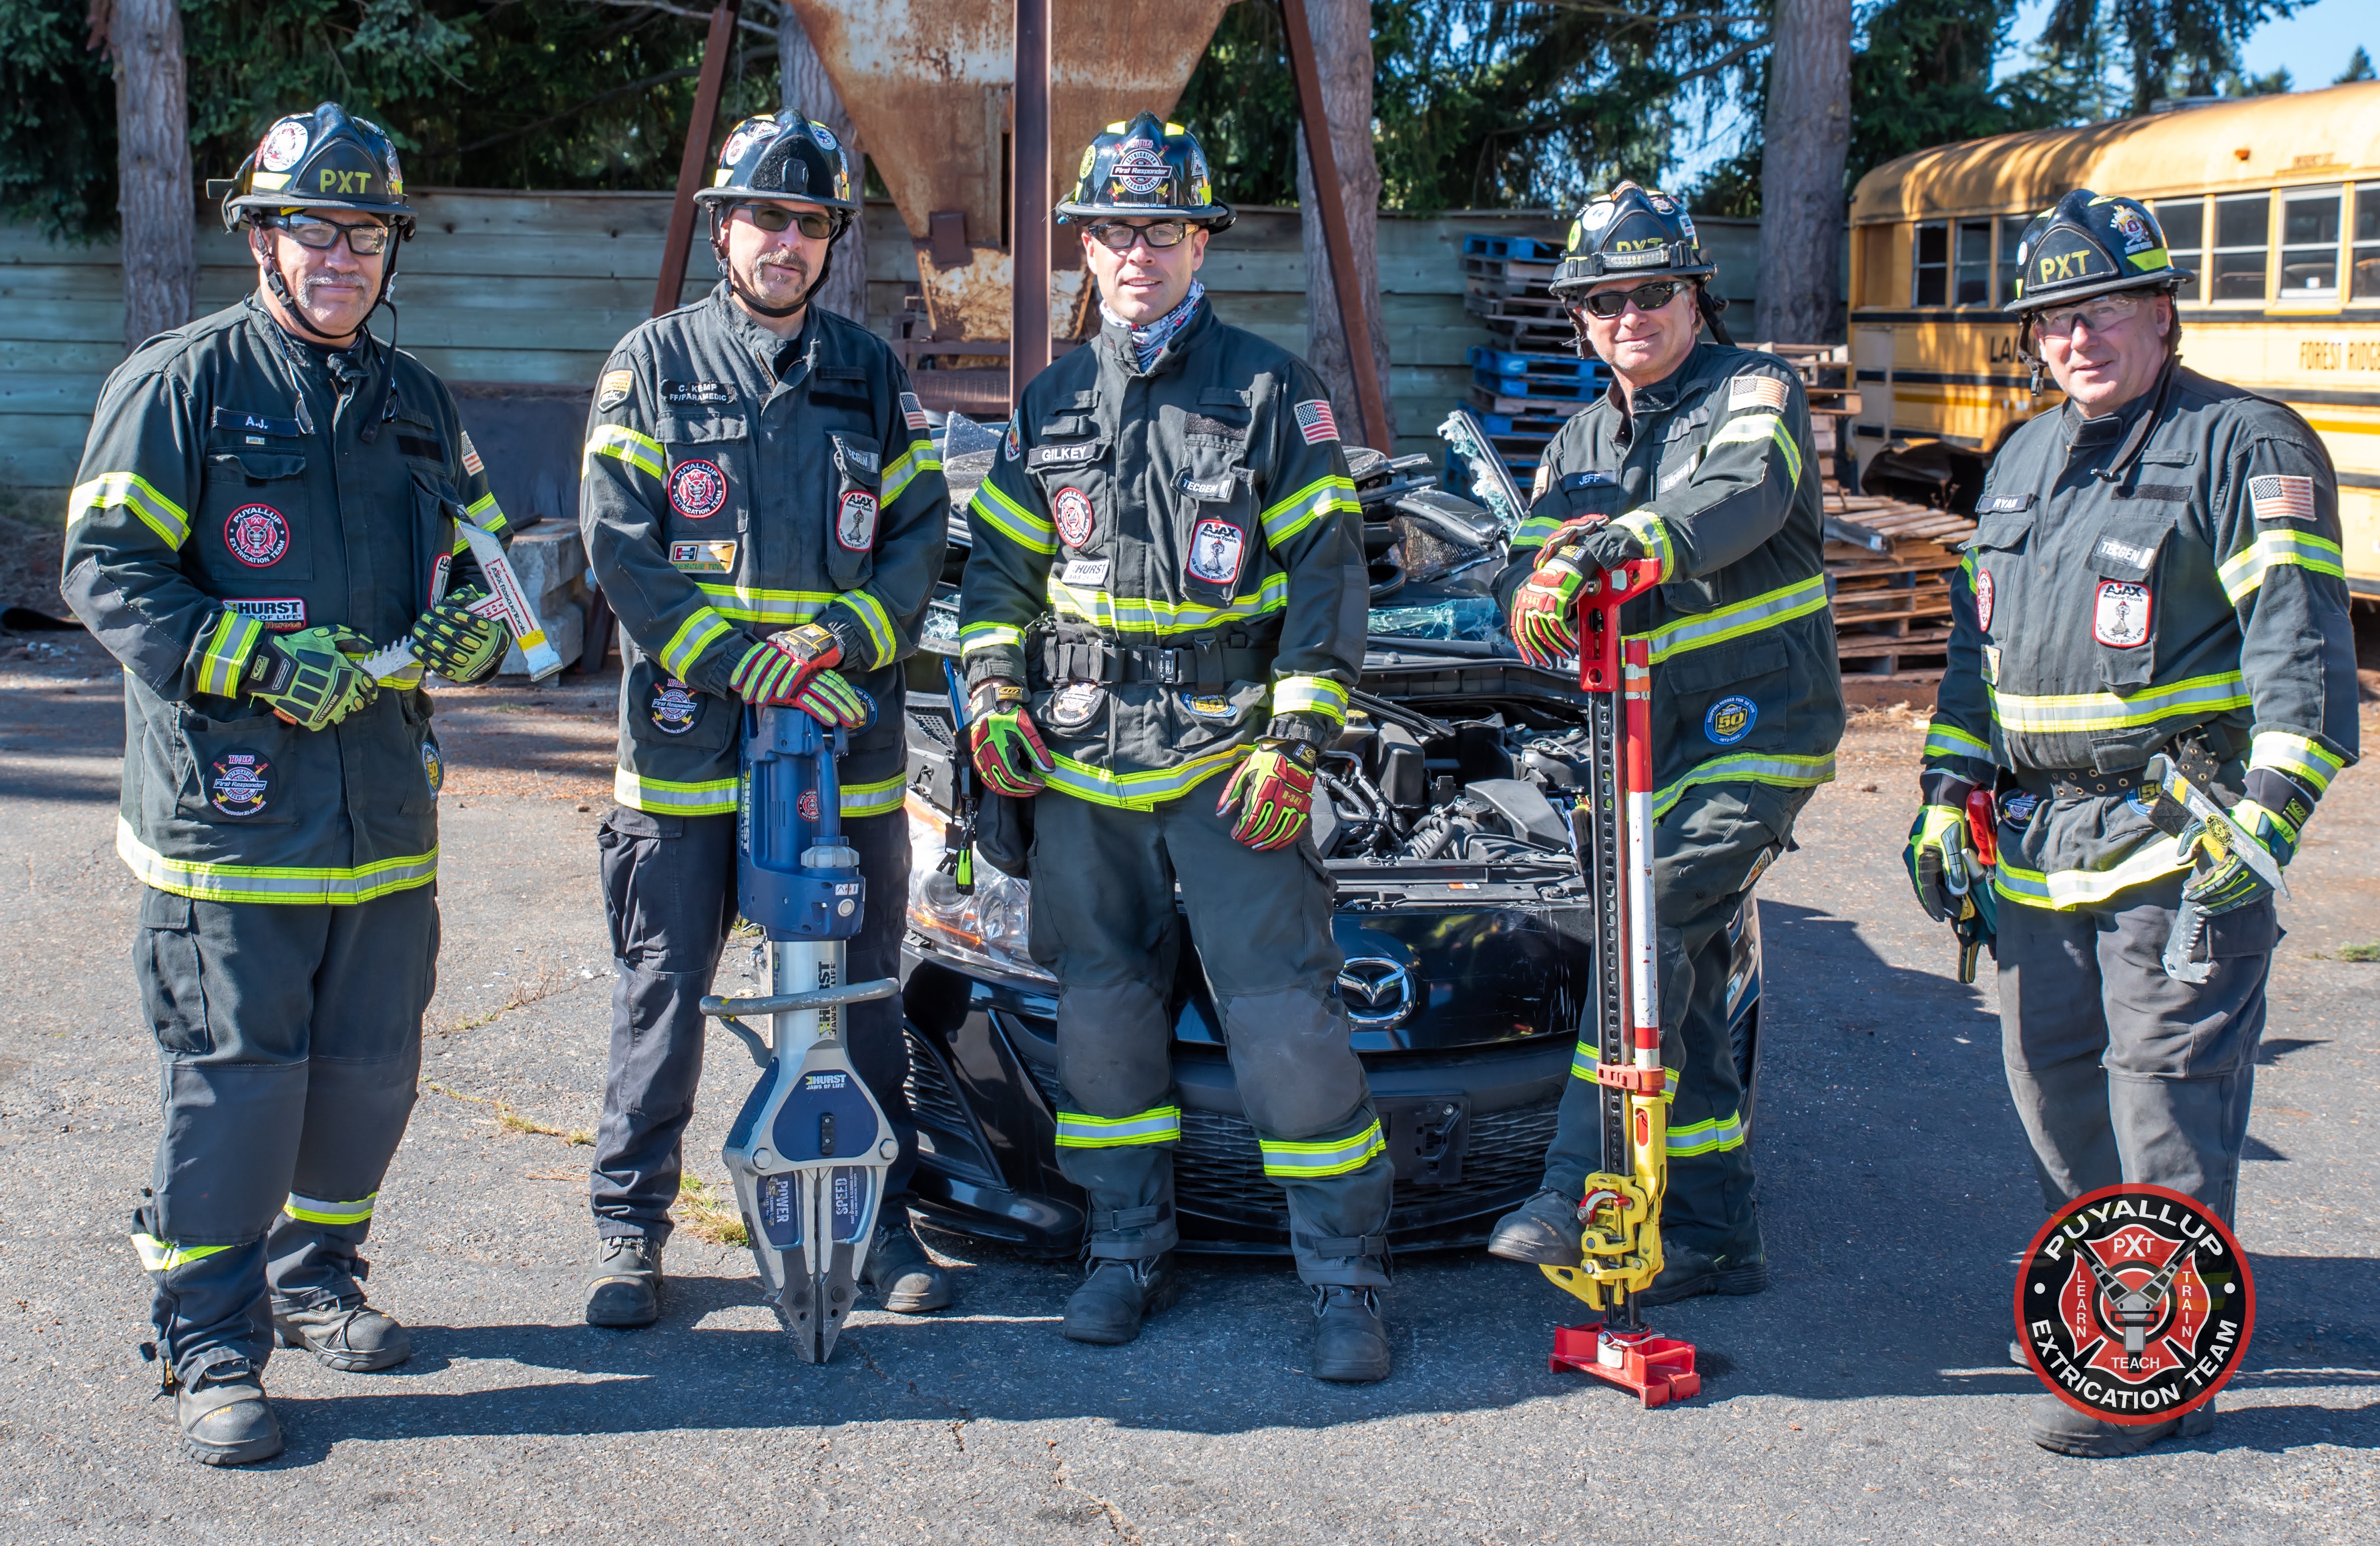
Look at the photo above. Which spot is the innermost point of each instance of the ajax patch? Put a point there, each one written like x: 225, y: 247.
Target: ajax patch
x: 702, y: 558
x: 855, y: 521
x: 257, y: 535
x: 697, y: 489
x: 1215, y: 548
x: 1983, y: 599
x: 434, y: 767
x: 2134, y: 1304
x: 676, y: 708
x: 1731, y: 719
x: 2120, y: 616
x: 240, y: 783
x: 1071, y: 510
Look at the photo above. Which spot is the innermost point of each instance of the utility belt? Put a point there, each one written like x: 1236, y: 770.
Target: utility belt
x: 2192, y: 753
x: 1209, y: 662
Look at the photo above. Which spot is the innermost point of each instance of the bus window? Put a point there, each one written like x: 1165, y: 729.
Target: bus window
x: 2011, y: 237
x: 2310, y: 244
x: 2184, y: 224
x: 1877, y: 281
x: 2367, y: 242
x: 1932, y: 267
x: 2243, y: 224
x: 1974, y: 263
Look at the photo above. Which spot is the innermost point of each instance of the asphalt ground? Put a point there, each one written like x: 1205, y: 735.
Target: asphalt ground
x: 1865, y: 1396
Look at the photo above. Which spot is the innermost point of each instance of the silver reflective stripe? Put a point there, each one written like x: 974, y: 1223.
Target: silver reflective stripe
x: 1707, y: 1138
x: 1304, y: 1161
x: 315, y: 1210
x: 1078, y: 1129
x: 269, y: 882
x: 1766, y: 610
x: 2061, y: 889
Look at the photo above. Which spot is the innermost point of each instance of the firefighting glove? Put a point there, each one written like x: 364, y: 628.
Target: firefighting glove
x: 794, y: 667
x: 2224, y: 882
x: 312, y: 679
x: 456, y: 644
x: 1006, y: 747
x: 1274, y: 791
x: 1545, y: 609
x: 1941, y: 861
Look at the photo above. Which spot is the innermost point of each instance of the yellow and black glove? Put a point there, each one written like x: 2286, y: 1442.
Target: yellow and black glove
x: 312, y: 679
x: 455, y: 642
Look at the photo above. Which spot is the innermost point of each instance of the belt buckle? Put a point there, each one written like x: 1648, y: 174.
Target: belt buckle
x: 1169, y: 667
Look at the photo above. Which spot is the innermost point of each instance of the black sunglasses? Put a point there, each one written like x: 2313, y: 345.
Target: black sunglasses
x: 817, y: 224
x: 1649, y: 296
x: 1117, y: 237
x: 367, y: 240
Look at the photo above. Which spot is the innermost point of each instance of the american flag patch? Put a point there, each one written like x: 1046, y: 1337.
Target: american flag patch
x: 913, y: 413
x: 1755, y: 392
x: 1314, y: 421
x: 2281, y: 497
x: 471, y: 457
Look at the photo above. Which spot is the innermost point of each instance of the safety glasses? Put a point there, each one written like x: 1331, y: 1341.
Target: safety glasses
x: 1118, y: 236
x: 367, y: 240
x: 1649, y: 296
x: 2099, y: 313
x: 817, y: 224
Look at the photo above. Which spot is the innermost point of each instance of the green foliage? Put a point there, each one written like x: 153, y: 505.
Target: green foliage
x: 58, y: 121
x: 2168, y: 48
x: 2359, y: 68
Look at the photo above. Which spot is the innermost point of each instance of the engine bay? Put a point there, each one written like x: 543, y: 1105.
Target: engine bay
x: 1402, y: 787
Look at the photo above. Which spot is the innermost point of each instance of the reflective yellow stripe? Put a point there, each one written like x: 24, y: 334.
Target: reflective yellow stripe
x: 1783, y: 769
x: 2276, y: 546
x: 1949, y: 741
x: 1308, y: 505
x: 1654, y: 535
x: 163, y: 1256
x: 1765, y: 610
x: 1078, y: 1129
x: 229, y: 643
x: 694, y: 635
x: 272, y: 883
x: 1150, y: 615
x: 1310, y: 694
x: 786, y: 607
x: 1751, y: 429
x: 1298, y: 1162
x: 638, y: 450
x: 872, y: 613
x: 1533, y: 532
x: 2197, y: 697
x: 486, y: 513
x: 1715, y: 1136
x: 314, y: 1210
x: 1011, y: 520
x: 919, y: 458
x: 2060, y: 890
x: 661, y: 797
x: 2301, y: 757
x: 990, y: 635
x: 866, y: 800
x: 1137, y: 792
x: 136, y: 493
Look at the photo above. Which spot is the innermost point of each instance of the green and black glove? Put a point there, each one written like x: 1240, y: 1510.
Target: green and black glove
x: 457, y: 645
x: 312, y: 679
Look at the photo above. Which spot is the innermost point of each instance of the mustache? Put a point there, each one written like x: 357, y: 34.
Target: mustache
x: 789, y: 266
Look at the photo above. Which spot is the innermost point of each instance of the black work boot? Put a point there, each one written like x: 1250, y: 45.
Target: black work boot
x: 1544, y: 1230
x: 345, y: 1333
x: 906, y: 1280
x: 626, y: 1287
x: 1351, y: 1342
x: 1117, y: 1296
x: 1687, y: 1273
x: 226, y: 1420
x: 2057, y: 1427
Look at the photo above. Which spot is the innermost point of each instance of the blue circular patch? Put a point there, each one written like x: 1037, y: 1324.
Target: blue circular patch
x: 1731, y: 719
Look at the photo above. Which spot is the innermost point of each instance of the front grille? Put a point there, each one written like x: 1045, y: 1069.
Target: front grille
x: 932, y: 1102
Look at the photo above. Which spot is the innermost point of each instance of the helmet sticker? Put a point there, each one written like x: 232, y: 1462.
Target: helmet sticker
x: 1090, y: 153
x: 823, y: 136
x: 396, y: 173
x: 697, y: 489
x: 283, y: 146
x: 1141, y: 170
x: 1598, y: 216
x: 2138, y: 237
x: 257, y: 535
x: 749, y: 133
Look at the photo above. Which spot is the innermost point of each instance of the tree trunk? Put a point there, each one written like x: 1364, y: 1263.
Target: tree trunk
x: 1802, y: 200
x: 1342, y: 57
x: 802, y: 84
x: 157, y: 199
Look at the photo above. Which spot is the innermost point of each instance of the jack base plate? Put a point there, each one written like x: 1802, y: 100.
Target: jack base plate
x: 1658, y: 1369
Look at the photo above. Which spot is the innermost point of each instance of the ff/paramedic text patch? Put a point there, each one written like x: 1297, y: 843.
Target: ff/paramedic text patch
x: 1755, y: 392
x: 2281, y: 497
x: 1314, y: 422
x: 280, y: 613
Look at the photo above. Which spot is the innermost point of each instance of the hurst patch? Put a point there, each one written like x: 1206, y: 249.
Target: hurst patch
x: 702, y: 558
x: 257, y: 535
x: 239, y: 783
x: 1072, y: 512
x: 280, y: 613
x: 697, y: 489
x: 855, y: 521
x: 1215, y: 552
x: 1314, y: 422
x: 1084, y: 571
x: 1755, y: 392
x: 2120, y: 616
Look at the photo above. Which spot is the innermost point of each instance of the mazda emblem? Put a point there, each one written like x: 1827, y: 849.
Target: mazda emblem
x: 1377, y: 991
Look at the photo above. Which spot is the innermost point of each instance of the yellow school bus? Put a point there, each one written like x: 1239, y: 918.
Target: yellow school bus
x: 2274, y: 202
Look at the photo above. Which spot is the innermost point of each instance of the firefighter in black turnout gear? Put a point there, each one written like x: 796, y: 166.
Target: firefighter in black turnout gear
x: 1164, y: 606
x: 269, y: 496
x: 762, y: 504
x: 1698, y: 456
x: 2156, y: 569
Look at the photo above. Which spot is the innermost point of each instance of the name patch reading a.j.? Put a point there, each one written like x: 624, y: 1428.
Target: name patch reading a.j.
x: 2119, y: 616
x: 697, y: 489
x: 1072, y: 513
x: 1314, y: 422
x: 2281, y: 497
x: 697, y: 392
x: 257, y: 535
x: 248, y: 422
x: 280, y: 613
x: 613, y: 390
x: 1214, y: 556
x: 1214, y: 490
x: 703, y: 558
x: 1754, y: 391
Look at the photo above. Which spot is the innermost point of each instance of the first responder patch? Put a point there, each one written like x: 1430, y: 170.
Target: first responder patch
x: 239, y: 783
x: 434, y: 767
x: 2134, y: 1304
x: 2120, y: 616
x: 1755, y: 392
x: 1731, y: 719
x: 913, y: 413
x: 2281, y: 497
x: 280, y: 613
x: 1008, y: 442
x: 1072, y: 511
x: 855, y: 521
x: 1314, y: 422
x: 614, y: 390
x: 1074, y: 705
x: 257, y: 535
x: 1210, y: 705
x: 1214, y: 556
x: 702, y: 558
x: 697, y: 489
x: 1983, y: 599
x: 675, y: 707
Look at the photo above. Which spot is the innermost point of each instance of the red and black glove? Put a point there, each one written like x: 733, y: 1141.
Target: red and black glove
x: 1545, y: 609
x: 1274, y: 791
x: 1006, y: 747
x: 794, y: 667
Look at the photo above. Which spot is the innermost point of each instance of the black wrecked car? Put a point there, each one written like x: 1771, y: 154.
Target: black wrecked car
x: 1468, y: 932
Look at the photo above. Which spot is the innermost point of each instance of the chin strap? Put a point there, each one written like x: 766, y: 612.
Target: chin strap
x: 384, y: 406
x: 1710, y: 305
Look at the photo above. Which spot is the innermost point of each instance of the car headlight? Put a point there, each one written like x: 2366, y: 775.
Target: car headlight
x: 986, y: 928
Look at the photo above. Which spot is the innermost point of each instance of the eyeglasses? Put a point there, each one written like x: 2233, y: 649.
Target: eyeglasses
x: 1650, y: 297
x: 817, y: 224
x: 2099, y: 314
x: 1117, y: 237
x: 366, y: 240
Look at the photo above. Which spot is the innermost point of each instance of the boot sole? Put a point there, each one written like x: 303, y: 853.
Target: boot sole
x: 1355, y: 1373
x: 1100, y: 1336
x: 247, y: 1454
x: 918, y: 1304
x: 1534, y: 1255
x: 345, y: 1362
x: 631, y: 1318
x: 2123, y: 1444
x: 1734, y: 1281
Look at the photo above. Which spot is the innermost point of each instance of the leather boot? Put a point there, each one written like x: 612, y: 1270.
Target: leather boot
x: 226, y: 1420
x: 906, y: 1280
x: 626, y: 1287
x: 1351, y: 1342
x: 2057, y: 1427
x: 1687, y: 1273
x: 346, y: 1335
x: 1117, y: 1296
x: 1543, y: 1231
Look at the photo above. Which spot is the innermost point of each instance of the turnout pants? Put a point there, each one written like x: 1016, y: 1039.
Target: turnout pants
x: 1706, y: 853
x: 289, y: 1043
x: 2119, y: 1072
x: 669, y: 894
x: 1104, y: 921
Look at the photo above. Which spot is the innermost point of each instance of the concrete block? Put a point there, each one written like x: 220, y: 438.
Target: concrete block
x: 565, y: 629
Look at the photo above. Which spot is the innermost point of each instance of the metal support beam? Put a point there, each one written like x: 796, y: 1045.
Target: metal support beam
x: 1028, y: 333
x: 1317, y: 121
x: 696, y: 160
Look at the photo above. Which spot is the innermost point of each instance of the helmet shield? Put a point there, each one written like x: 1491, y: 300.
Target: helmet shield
x: 1631, y: 233
x: 1144, y: 168
x: 322, y: 160
x: 782, y: 156
x: 2090, y: 244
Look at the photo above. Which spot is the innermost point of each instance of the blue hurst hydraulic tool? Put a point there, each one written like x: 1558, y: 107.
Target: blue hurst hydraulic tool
x: 810, y: 1148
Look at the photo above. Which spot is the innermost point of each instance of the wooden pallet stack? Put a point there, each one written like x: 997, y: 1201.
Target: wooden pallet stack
x: 1888, y: 564
x: 1530, y: 380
